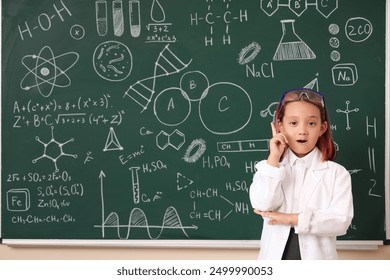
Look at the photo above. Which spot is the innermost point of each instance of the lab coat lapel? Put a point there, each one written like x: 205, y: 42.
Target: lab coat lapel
x: 312, y: 180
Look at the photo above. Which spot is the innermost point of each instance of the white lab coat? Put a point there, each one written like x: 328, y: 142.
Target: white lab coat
x: 325, y: 201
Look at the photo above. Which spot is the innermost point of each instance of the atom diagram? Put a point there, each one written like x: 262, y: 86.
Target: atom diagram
x: 45, y: 71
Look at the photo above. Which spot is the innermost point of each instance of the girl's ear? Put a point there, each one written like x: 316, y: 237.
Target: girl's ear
x: 324, y: 127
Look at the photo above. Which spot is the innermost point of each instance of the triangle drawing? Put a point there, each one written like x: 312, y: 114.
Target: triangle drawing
x: 112, y: 143
x: 182, y: 181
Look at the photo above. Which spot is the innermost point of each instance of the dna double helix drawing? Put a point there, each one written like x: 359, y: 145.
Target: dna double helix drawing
x: 167, y: 63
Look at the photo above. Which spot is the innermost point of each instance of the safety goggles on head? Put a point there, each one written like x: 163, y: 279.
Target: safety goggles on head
x: 302, y: 94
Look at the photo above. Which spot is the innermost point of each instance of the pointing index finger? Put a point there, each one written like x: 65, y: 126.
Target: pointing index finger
x: 274, y: 133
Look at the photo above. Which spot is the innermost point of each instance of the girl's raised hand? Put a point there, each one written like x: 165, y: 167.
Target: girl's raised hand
x: 277, y: 146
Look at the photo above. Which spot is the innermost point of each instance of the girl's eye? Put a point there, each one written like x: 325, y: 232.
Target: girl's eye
x: 312, y: 123
x: 293, y: 123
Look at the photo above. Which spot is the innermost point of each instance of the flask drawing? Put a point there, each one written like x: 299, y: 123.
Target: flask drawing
x: 157, y: 12
x: 291, y: 46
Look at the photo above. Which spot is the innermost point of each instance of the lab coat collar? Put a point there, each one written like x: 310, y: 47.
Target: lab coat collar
x: 316, y: 160
x: 308, y: 159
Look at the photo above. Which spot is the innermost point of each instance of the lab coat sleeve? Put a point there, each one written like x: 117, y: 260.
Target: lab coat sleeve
x: 266, y: 192
x: 334, y: 220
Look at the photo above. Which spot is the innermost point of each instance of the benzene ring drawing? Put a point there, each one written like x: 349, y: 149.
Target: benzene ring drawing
x: 46, y: 71
x: 53, y: 150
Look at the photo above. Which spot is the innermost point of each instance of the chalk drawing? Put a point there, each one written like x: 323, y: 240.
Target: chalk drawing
x: 46, y: 71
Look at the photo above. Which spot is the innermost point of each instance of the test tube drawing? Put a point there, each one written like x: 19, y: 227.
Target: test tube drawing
x: 117, y: 17
x: 135, y: 183
x: 291, y: 46
x: 101, y: 17
x: 135, y: 18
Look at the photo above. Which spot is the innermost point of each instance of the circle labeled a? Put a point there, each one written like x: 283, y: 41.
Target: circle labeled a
x: 172, y: 107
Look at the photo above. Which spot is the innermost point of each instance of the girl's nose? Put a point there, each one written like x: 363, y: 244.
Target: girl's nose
x: 302, y: 130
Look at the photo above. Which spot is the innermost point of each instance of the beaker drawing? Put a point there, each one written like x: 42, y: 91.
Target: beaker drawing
x: 291, y: 46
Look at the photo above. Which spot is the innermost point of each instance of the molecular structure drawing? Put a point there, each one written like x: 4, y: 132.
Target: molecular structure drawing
x: 347, y: 111
x: 53, y: 150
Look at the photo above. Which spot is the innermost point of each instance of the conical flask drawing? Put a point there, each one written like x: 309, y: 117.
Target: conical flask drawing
x: 291, y: 46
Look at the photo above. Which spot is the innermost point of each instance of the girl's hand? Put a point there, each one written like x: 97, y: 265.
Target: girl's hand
x: 278, y: 217
x: 277, y: 146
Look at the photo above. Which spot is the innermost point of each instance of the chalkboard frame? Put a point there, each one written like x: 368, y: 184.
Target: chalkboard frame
x: 233, y: 244
x: 189, y: 244
x: 387, y: 116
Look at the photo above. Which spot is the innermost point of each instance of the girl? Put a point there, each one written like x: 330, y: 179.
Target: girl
x: 303, y: 196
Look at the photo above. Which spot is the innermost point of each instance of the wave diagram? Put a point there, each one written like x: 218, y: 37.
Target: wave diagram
x: 138, y: 219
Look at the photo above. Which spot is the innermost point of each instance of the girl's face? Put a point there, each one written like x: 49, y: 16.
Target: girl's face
x: 302, y: 126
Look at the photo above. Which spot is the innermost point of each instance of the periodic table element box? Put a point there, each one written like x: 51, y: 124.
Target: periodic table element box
x: 18, y: 200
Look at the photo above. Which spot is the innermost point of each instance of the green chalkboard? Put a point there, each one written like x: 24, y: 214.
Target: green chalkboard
x: 143, y: 120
